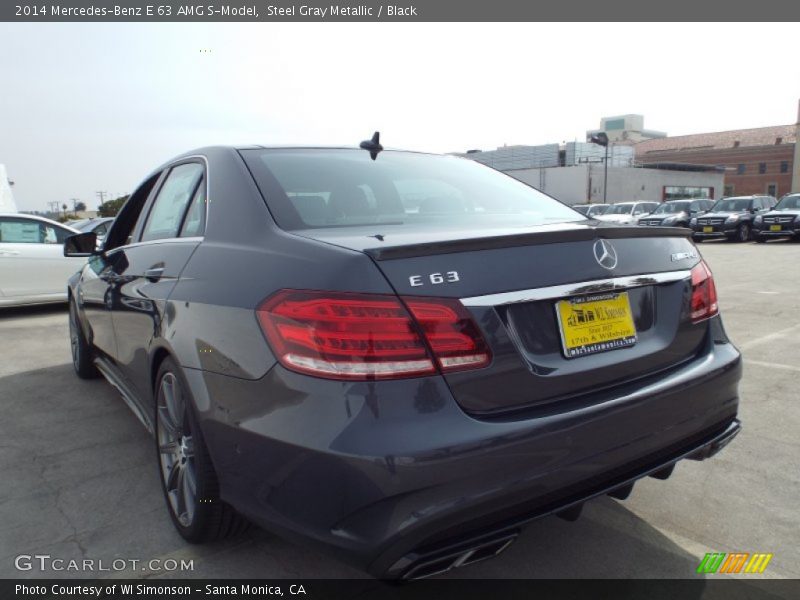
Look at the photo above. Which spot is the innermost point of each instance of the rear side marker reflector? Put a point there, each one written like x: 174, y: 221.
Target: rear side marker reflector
x: 370, y: 336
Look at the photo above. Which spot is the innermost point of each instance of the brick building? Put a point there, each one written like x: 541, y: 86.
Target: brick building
x: 756, y: 161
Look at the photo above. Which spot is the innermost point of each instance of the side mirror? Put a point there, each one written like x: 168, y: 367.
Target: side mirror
x: 81, y: 245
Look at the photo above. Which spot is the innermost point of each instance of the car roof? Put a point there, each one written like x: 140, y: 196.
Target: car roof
x: 38, y: 218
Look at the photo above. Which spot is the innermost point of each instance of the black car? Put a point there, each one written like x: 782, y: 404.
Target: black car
x: 676, y: 213
x: 731, y: 218
x: 399, y: 358
x: 781, y: 221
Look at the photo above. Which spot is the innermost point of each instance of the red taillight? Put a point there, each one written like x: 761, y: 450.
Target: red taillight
x: 450, y: 332
x: 704, y: 293
x: 366, y: 336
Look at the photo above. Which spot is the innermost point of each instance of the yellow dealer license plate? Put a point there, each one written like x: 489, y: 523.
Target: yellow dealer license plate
x: 591, y: 324
x: 708, y: 229
x: 774, y: 227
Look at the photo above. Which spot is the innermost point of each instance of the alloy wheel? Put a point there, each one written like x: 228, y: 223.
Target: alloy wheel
x: 176, y: 450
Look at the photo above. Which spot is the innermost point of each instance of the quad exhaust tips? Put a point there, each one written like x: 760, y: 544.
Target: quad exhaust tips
x: 436, y: 565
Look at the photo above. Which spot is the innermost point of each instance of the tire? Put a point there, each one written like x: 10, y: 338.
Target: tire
x: 188, y: 478
x: 743, y: 233
x: 82, y: 351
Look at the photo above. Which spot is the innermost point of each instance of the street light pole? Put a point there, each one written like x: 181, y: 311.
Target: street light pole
x: 605, y: 175
x: 601, y: 139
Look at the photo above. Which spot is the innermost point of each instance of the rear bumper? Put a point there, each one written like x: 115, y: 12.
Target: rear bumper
x: 386, y: 475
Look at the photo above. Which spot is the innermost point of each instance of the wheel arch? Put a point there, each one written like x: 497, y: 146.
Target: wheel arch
x: 159, y: 354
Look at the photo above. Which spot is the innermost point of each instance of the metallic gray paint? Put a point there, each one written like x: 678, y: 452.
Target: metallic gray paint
x: 372, y: 471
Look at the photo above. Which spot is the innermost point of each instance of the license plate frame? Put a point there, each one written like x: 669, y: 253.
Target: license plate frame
x: 593, y: 324
x: 708, y: 229
x: 775, y: 228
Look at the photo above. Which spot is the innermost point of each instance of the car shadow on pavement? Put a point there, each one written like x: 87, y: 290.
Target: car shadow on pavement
x: 82, y: 483
x: 35, y: 310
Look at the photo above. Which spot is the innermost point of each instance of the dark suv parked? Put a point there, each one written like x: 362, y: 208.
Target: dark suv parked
x: 676, y: 213
x: 731, y: 218
x: 781, y: 221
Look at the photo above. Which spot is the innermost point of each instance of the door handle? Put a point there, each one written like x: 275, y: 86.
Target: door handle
x: 154, y: 273
x: 9, y: 253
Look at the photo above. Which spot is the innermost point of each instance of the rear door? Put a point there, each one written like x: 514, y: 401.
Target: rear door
x: 166, y: 235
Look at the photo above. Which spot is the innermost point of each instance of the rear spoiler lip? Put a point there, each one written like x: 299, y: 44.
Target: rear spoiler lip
x: 579, y: 234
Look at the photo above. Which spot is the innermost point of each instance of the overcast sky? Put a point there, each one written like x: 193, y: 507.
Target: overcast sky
x: 88, y: 107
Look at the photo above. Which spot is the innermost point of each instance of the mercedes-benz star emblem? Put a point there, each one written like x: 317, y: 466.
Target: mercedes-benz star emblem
x: 605, y: 254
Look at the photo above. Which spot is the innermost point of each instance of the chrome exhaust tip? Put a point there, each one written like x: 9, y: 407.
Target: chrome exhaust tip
x: 436, y: 565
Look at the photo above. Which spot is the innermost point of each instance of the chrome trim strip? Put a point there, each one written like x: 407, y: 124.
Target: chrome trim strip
x: 576, y: 289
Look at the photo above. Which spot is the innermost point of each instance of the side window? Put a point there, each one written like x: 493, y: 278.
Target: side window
x: 55, y: 235
x: 21, y: 231
x: 120, y: 231
x: 195, y: 222
x: 167, y: 212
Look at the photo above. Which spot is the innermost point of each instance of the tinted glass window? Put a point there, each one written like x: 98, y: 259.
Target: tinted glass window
x: 340, y: 188
x: 672, y: 207
x: 733, y: 205
x: 195, y: 221
x: 789, y: 203
x: 168, y: 209
x: 620, y: 209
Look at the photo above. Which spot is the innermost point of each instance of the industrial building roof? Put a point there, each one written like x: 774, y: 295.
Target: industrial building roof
x: 760, y: 136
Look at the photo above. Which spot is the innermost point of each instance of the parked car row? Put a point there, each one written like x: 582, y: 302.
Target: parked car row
x: 739, y: 219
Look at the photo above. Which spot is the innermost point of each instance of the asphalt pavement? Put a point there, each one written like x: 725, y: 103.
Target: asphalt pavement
x: 80, y: 482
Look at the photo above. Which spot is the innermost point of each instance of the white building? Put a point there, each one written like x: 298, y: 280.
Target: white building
x: 626, y: 128
x: 7, y: 203
x: 584, y: 183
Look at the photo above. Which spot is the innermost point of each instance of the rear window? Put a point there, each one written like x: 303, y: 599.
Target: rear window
x: 316, y: 188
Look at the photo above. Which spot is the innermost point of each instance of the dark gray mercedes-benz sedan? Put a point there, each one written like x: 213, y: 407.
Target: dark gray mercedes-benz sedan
x: 400, y: 358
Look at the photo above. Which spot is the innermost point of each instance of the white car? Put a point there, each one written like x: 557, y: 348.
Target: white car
x: 627, y: 213
x: 33, y: 268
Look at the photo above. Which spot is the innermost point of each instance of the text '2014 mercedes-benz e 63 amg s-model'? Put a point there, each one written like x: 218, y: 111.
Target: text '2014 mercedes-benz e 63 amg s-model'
x: 400, y: 358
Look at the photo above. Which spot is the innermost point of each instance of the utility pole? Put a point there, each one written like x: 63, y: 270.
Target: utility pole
x: 102, y: 196
x: 601, y: 139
